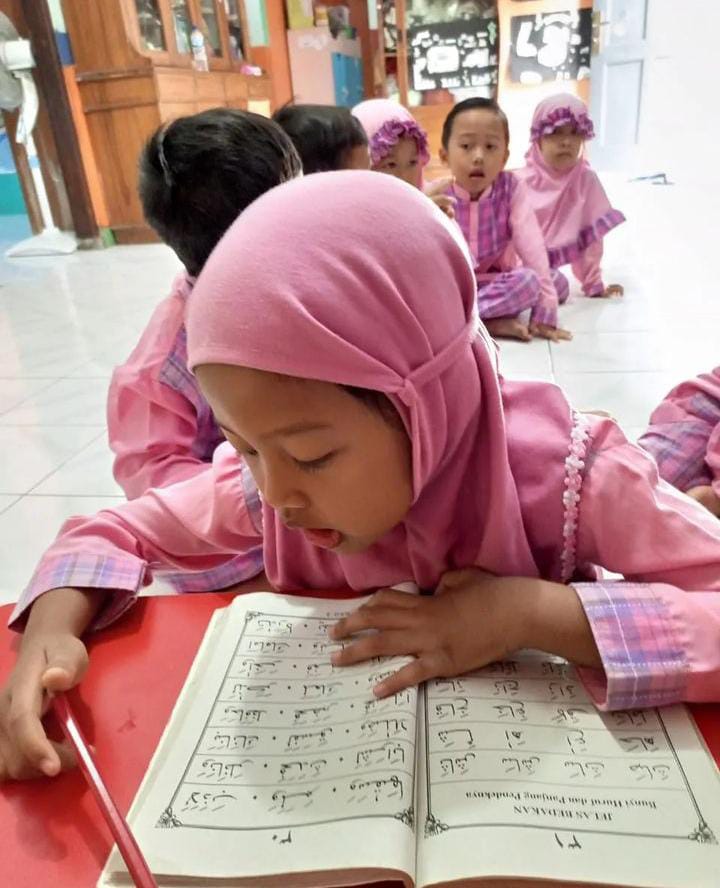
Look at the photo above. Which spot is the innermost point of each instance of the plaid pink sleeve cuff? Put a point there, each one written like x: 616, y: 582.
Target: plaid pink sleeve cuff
x: 641, y: 645
x: 123, y: 576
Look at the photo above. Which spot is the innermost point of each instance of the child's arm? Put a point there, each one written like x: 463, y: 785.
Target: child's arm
x: 156, y: 413
x: 194, y: 525
x: 152, y: 430
x: 92, y: 574
x: 658, y: 631
x: 528, y: 242
x: 586, y: 269
x: 51, y: 659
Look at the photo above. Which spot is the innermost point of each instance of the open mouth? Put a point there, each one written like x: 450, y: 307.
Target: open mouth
x: 323, y: 537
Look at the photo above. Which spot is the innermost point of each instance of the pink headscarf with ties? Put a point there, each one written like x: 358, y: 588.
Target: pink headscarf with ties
x: 386, y: 122
x: 386, y: 300
x: 572, y: 207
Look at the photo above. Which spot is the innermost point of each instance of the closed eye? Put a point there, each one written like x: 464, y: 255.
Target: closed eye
x: 314, y: 465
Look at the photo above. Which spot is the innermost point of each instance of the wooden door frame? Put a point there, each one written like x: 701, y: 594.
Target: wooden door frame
x: 55, y: 136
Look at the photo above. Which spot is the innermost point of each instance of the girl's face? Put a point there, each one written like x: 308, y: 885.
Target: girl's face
x: 403, y: 162
x: 477, y: 150
x: 561, y: 149
x: 322, y: 458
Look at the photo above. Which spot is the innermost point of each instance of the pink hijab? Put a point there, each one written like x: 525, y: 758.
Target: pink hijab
x: 385, y: 123
x: 387, y: 301
x: 572, y: 207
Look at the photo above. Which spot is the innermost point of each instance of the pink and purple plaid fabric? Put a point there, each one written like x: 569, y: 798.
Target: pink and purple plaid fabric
x: 175, y: 373
x: 642, y: 653
x: 507, y: 293
x: 236, y: 570
x: 177, y: 376
x: 489, y: 240
x: 502, y: 292
x: 679, y: 445
x: 125, y: 576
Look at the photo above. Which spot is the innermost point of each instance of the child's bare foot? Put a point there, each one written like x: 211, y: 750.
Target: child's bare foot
x: 614, y: 290
x: 508, y: 328
x: 554, y: 334
x: 707, y: 497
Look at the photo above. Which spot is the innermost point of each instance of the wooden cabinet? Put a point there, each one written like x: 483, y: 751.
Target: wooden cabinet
x: 134, y: 69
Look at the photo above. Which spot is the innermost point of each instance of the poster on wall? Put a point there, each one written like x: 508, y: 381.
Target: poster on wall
x: 454, y: 55
x: 550, y: 46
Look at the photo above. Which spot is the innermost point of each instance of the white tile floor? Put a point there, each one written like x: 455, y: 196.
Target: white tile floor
x: 65, y: 322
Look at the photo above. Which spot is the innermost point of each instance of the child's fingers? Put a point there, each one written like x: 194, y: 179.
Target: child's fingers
x: 25, y: 730
x: 446, y: 204
x: 67, y: 662
x: 455, y: 578
x: 409, y: 676
x: 437, y: 186
x: 394, y: 598
x: 394, y: 643
x: 14, y: 767
x: 364, y: 618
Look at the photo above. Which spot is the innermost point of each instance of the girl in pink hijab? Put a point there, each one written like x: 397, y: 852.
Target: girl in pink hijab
x: 399, y: 146
x: 570, y: 203
x: 353, y: 379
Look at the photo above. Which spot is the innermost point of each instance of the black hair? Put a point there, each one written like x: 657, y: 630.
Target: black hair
x: 471, y: 105
x: 322, y: 134
x: 200, y: 172
x: 377, y: 401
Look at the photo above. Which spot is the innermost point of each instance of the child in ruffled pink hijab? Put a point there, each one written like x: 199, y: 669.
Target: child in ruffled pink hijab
x: 352, y: 377
x: 399, y: 147
x: 571, y: 205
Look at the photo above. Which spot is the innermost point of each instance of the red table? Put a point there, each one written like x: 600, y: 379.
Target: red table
x: 50, y: 830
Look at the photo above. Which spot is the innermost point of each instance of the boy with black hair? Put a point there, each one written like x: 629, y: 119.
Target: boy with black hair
x: 494, y: 212
x: 326, y: 137
x: 197, y: 174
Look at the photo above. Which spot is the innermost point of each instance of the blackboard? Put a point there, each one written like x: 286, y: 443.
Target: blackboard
x: 454, y: 55
x: 551, y: 46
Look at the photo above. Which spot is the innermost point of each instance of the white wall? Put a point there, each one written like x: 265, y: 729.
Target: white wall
x: 679, y: 130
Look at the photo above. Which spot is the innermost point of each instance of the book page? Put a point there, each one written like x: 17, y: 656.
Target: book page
x: 523, y: 777
x: 275, y: 761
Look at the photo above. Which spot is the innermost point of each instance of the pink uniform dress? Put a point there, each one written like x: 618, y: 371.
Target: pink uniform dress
x: 571, y: 206
x: 505, y: 475
x: 500, y: 227
x: 162, y: 430
x: 684, y: 434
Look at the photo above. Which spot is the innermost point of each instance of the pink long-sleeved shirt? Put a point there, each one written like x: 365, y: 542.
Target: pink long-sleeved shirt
x: 161, y: 428
x: 501, y: 228
x: 657, y: 631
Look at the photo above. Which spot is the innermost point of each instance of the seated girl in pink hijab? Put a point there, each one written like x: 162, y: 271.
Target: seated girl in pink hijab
x: 385, y: 447
x: 399, y: 147
x: 684, y: 438
x: 570, y: 203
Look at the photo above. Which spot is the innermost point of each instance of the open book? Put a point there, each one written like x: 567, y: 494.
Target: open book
x: 279, y: 769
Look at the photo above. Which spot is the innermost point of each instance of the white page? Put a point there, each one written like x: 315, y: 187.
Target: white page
x: 276, y: 762
x: 525, y: 778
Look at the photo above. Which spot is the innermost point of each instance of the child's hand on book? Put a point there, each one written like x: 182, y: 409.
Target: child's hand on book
x: 473, y: 619
x: 47, y: 663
